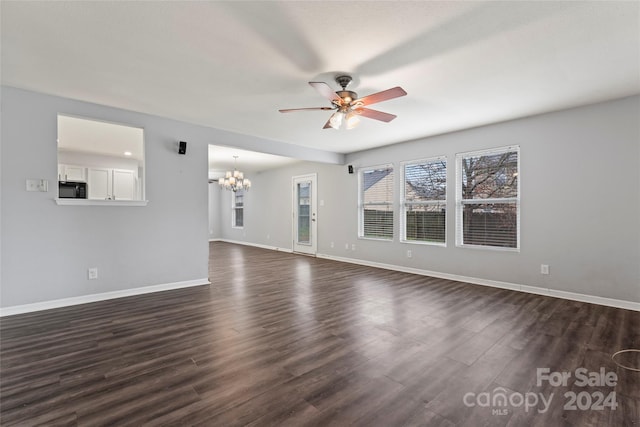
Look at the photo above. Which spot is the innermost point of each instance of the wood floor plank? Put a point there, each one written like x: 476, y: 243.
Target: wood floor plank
x: 287, y: 340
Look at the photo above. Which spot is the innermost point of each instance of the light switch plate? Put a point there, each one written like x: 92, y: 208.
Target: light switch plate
x: 41, y: 185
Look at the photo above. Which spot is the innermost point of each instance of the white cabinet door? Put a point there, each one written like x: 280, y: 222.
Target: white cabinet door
x: 124, y: 185
x: 72, y: 173
x: 99, y: 185
x: 75, y: 173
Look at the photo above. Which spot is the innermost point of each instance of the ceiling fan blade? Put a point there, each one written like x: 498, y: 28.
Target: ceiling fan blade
x: 382, y: 96
x: 326, y: 91
x: 289, y: 110
x: 327, y: 125
x: 375, y: 114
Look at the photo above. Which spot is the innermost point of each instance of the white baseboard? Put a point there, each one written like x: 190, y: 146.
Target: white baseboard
x: 593, y: 299
x: 255, y: 245
x: 84, y: 299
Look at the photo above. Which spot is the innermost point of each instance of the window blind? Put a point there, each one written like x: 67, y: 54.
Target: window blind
x: 376, y: 202
x: 488, y: 198
x: 424, y: 201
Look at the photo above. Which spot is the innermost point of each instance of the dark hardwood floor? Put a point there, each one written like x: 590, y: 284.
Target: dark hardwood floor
x: 289, y: 340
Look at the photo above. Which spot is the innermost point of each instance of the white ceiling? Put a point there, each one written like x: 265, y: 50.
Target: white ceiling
x: 221, y: 159
x: 99, y: 137
x: 232, y: 65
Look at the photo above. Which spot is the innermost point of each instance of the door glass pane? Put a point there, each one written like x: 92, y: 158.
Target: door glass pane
x: 304, y: 217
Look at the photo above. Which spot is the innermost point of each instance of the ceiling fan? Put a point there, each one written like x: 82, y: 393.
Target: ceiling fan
x: 348, y: 106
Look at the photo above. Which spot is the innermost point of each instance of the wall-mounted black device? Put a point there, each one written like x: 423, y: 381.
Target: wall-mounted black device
x: 350, y: 168
x: 182, y: 147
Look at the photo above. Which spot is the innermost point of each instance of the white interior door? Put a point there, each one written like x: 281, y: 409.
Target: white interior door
x: 305, y: 224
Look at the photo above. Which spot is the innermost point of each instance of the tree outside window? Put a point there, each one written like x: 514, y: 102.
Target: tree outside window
x: 488, y: 207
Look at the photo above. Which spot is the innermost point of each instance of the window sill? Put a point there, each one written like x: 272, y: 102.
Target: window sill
x: 424, y: 243
x: 378, y: 239
x: 488, y: 248
x: 88, y: 202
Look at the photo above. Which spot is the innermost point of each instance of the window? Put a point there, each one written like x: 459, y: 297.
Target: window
x: 488, y: 198
x: 237, y: 209
x: 424, y: 201
x: 376, y: 203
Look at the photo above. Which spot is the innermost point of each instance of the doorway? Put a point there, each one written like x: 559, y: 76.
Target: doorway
x: 305, y: 224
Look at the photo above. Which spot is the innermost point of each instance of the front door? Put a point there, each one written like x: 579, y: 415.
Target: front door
x: 305, y: 224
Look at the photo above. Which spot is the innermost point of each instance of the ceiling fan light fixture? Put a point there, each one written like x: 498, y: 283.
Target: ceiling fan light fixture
x: 348, y: 107
x: 336, y: 119
x: 352, y: 120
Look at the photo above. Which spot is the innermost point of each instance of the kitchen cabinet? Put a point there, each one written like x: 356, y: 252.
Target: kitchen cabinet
x: 124, y: 185
x: 72, y: 173
x: 111, y: 184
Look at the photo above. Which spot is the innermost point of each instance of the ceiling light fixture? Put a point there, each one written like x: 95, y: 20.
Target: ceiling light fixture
x: 234, y: 181
x: 352, y: 120
x: 336, y: 119
x: 348, y: 107
x: 128, y: 153
x: 344, y: 118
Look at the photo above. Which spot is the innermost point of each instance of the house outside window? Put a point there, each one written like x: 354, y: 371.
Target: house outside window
x: 424, y: 201
x: 376, y: 202
x: 488, y: 199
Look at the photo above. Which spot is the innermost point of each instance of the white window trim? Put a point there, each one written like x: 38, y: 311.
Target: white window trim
x: 403, y: 203
x: 233, y: 211
x: 460, y: 202
x: 361, y: 204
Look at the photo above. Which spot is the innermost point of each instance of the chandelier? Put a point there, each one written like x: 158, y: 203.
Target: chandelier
x: 235, y: 180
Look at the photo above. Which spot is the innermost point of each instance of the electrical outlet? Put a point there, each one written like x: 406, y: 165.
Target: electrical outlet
x: 544, y: 269
x: 409, y: 254
x: 332, y: 245
x: 353, y: 247
x: 92, y: 273
x: 346, y: 246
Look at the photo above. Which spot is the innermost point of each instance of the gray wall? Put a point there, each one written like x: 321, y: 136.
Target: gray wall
x: 268, y: 206
x: 580, y: 204
x: 580, y: 207
x: 215, y: 231
x: 46, y: 249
